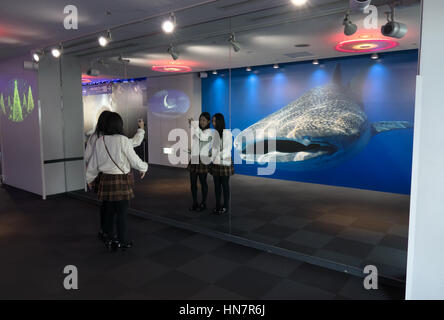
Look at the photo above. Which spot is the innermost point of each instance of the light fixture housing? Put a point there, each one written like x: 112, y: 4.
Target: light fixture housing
x: 276, y: 66
x: 349, y: 27
x: 374, y: 56
x: 173, y: 53
x: 359, y: 5
x: 214, y: 72
x: 104, y: 40
x: 392, y: 28
x: 169, y: 24
x: 234, y: 43
x: 315, y: 62
x: 248, y: 69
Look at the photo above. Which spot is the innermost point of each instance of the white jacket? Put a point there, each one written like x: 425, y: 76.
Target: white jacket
x: 221, y: 150
x: 121, y: 150
x: 136, y: 141
x: 200, y: 144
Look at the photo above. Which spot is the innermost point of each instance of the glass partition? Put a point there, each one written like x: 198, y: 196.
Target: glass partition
x: 322, y: 135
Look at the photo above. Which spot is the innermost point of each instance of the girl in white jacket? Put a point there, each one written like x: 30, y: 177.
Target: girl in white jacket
x: 114, y: 156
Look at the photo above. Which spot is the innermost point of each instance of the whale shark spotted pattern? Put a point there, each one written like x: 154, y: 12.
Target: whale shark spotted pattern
x: 323, y: 128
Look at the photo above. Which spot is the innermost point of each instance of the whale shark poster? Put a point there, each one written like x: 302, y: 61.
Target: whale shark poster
x: 348, y: 122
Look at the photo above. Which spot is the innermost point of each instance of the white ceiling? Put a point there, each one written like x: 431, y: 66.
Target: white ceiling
x: 267, y: 31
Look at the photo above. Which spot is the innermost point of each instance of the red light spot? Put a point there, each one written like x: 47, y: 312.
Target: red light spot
x: 367, y: 45
x: 171, y: 68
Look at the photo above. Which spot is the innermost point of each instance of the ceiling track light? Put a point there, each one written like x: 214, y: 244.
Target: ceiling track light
x: 315, y: 62
x: 214, y: 72
x: 234, y: 43
x: 37, y: 55
x: 173, y: 53
x: 393, y: 29
x: 57, y: 51
x: 169, y: 24
x: 359, y: 5
x: 349, y: 27
x: 276, y: 66
x: 104, y: 40
x: 248, y: 69
x: 374, y: 56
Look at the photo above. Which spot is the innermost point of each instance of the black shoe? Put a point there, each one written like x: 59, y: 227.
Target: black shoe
x: 125, y: 246
x: 202, y: 207
x: 112, y: 245
x: 193, y: 208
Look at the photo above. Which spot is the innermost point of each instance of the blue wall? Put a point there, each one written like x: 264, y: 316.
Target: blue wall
x: 388, y: 92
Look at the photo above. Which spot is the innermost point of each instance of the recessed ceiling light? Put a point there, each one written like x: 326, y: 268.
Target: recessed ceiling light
x: 315, y: 61
x: 375, y: 56
x: 248, y: 69
x: 214, y: 72
x: 366, y: 45
x: 276, y: 66
x: 302, y: 45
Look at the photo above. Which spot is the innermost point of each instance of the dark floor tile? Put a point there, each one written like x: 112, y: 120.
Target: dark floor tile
x: 172, y: 285
x: 372, y: 225
x: 174, y: 256
x: 324, y: 228
x: 173, y: 234
x: 325, y: 279
x: 349, y: 247
x: 291, y: 290
x: 248, y: 282
x: 296, y: 247
x: 393, y: 241
x: 236, y: 253
x: 274, y: 231
x: 216, y: 293
x: 202, y: 243
x: 277, y: 265
x: 208, y: 268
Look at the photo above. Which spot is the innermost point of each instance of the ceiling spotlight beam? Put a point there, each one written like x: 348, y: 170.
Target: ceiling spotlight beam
x: 57, y: 51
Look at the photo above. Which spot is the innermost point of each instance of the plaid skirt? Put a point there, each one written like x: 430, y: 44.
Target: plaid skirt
x: 199, y: 168
x: 116, y: 187
x: 220, y: 170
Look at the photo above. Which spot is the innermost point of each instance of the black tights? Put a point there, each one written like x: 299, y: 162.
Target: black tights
x: 116, y: 211
x: 222, y: 183
x: 203, y: 184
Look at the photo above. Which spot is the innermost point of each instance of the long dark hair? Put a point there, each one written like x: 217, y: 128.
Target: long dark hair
x: 207, y: 116
x: 113, y: 124
x: 101, y: 122
x: 220, y: 123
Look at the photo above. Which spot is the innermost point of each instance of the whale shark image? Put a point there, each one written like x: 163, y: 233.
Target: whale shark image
x: 321, y: 129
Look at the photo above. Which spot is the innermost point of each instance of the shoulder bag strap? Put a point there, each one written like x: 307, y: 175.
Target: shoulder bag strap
x: 111, y: 157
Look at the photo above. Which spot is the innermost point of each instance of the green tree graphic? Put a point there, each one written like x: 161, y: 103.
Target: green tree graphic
x: 17, y: 115
x: 30, y: 101
x: 24, y: 104
x: 2, y: 104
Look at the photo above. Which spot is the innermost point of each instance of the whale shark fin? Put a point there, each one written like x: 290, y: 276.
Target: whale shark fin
x: 337, y: 75
x: 383, y: 126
